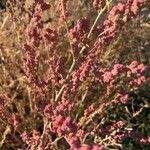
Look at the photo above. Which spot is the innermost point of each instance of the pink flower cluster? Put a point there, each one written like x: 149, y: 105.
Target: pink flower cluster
x: 78, y: 33
x: 34, y: 37
x: 51, y: 37
x: 89, y: 147
x: 59, y: 116
x: 108, y: 31
x: 33, y: 141
x: 134, y: 135
x: 118, y: 133
x: 111, y: 128
x: 108, y: 77
x: 76, y: 145
x: 42, y: 4
x: 63, y: 125
x: 89, y: 109
x: 117, y: 16
x: 136, y: 68
x: 99, y: 3
x: 62, y: 7
x: 66, y: 89
x: 2, y: 103
x: 37, y: 34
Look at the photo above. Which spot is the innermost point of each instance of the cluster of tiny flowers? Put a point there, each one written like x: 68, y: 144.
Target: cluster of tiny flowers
x: 34, y: 38
x: 99, y: 3
x: 33, y: 141
x: 48, y: 110
x: 134, y: 135
x: 118, y: 133
x: 58, y: 113
x: 76, y: 145
x: 138, y: 70
x: 118, y: 15
x: 51, y: 37
x: 64, y: 125
x: 108, y: 77
x: 89, y: 109
x: 42, y: 4
x: 109, y: 82
x: 11, y: 118
x: 78, y: 33
x: 2, y: 103
x: 62, y: 7
x: 25, y: 137
x: 111, y: 128
x: 86, y: 69
x: 107, y: 32
x: 31, y: 64
x: 63, y: 106
x: 61, y: 124
x: 90, y: 147
x: 37, y: 34
x: 120, y: 98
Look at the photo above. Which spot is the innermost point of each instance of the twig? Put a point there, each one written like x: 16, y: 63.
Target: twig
x: 6, y: 132
x: 4, y: 22
x: 99, y: 14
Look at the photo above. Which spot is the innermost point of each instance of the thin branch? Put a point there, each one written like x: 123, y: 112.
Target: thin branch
x: 6, y: 132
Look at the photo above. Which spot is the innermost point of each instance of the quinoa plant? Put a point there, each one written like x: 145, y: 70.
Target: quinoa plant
x: 71, y: 99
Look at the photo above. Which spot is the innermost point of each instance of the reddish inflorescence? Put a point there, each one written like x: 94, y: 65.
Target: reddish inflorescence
x: 74, y: 96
